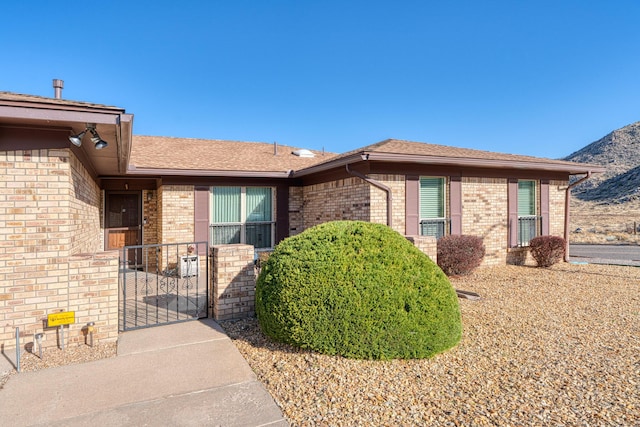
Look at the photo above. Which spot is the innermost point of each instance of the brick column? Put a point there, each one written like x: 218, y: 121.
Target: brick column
x: 233, y: 291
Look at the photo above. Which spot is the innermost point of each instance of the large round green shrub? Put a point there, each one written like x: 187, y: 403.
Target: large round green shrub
x: 358, y: 290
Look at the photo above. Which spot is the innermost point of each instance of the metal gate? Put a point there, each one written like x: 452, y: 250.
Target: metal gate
x: 162, y: 284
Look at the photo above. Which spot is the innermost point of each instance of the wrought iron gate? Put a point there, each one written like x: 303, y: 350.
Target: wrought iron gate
x: 161, y: 284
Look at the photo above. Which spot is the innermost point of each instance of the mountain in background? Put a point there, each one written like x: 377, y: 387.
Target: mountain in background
x: 619, y: 153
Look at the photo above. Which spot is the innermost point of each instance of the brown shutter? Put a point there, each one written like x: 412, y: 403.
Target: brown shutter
x: 282, y: 212
x: 201, y: 217
x: 412, y: 205
x: 512, y: 212
x: 455, y: 203
x: 544, y: 206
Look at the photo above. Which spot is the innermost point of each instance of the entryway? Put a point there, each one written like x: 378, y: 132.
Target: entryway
x: 123, y: 221
x: 162, y: 284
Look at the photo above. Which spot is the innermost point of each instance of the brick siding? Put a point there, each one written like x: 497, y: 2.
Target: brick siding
x: 49, y: 212
x: 176, y: 213
x: 484, y: 214
x: 379, y: 201
x: 343, y: 199
x: 557, y: 193
x: 233, y: 289
x: 296, y: 213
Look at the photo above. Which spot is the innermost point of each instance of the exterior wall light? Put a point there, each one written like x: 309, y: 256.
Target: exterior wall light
x: 98, y: 142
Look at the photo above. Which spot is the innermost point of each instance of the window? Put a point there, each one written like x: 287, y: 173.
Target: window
x: 242, y: 215
x: 528, y: 222
x: 433, y: 221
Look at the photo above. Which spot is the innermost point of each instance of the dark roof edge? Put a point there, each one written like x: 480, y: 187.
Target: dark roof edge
x: 579, y: 168
x: 200, y: 172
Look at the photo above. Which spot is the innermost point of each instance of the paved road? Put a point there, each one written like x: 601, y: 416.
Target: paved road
x: 606, y: 254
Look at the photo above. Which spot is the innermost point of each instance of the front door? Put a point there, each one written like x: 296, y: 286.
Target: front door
x: 123, y: 224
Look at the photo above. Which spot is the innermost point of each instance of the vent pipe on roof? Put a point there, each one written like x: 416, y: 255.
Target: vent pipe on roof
x: 57, y: 88
x: 275, y: 148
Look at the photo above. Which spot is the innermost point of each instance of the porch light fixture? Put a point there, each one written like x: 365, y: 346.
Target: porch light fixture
x: 77, y: 139
x: 98, y: 142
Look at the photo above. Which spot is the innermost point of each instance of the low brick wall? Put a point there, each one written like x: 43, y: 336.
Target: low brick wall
x: 427, y: 244
x: 233, y: 289
x: 86, y: 285
x: 93, y: 295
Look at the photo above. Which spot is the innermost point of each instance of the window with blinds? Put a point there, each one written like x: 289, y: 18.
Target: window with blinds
x: 242, y: 215
x: 433, y: 221
x: 526, y: 198
x: 528, y: 223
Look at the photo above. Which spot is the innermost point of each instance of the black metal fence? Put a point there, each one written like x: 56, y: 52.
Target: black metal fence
x: 163, y: 283
x: 528, y: 228
x: 435, y: 227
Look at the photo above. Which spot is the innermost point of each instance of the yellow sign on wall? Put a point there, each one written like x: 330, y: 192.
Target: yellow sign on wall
x: 62, y: 318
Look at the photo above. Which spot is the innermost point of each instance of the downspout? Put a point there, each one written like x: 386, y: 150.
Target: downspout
x: 379, y: 185
x: 567, y: 198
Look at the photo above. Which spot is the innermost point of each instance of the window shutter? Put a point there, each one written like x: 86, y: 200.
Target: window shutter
x: 201, y: 217
x: 412, y: 208
x: 431, y: 198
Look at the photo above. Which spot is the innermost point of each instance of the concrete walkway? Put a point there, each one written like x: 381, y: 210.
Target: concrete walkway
x: 186, y: 374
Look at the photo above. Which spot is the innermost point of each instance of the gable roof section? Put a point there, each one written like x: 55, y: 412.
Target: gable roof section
x: 112, y: 123
x: 394, y: 150
x: 155, y: 155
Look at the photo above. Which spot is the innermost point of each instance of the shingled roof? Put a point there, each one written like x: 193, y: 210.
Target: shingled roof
x: 187, y: 156
x: 198, y: 157
x: 394, y: 150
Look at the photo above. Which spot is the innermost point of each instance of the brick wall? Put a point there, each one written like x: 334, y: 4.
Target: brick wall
x: 233, y: 289
x: 49, y: 211
x: 343, y: 199
x: 379, y: 201
x: 84, y: 205
x: 296, y: 210
x: 484, y: 214
x: 93, y: 295
x: 150, y: 213
x: 557, y: 192
x: 176, y: 213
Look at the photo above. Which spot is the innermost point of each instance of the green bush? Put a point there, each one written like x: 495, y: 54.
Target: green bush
x: 359, y: 290
x: 547, y: 250
x: 459, y: 255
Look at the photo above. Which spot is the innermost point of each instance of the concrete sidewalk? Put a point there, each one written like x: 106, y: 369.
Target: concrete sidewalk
x: 184, y: 374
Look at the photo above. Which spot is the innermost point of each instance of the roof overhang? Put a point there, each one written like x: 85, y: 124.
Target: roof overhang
x: 208, y: 173
x: 112, y: 124
x: 541, y: 165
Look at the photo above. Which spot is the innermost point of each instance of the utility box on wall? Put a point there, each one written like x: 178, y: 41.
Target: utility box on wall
x: 189, y: 266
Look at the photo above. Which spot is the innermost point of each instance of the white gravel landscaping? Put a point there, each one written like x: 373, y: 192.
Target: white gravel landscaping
x: 556, y: 347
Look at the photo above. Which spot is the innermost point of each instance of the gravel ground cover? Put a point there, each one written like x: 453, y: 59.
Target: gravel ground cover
x: 556, y: 347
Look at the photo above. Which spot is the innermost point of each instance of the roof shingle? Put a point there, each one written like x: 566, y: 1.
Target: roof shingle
x: 156, y: 152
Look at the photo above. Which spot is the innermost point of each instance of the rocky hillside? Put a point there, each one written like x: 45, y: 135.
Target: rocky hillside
x: 619, y: 153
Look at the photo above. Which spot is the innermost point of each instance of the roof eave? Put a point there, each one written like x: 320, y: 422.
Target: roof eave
x: 201, y: 172
x: 451, y: 161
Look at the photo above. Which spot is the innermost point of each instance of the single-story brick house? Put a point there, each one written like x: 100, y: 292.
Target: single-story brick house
x: 65, y: 206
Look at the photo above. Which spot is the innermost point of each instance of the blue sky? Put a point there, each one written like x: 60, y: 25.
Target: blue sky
x: 542, y: 78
